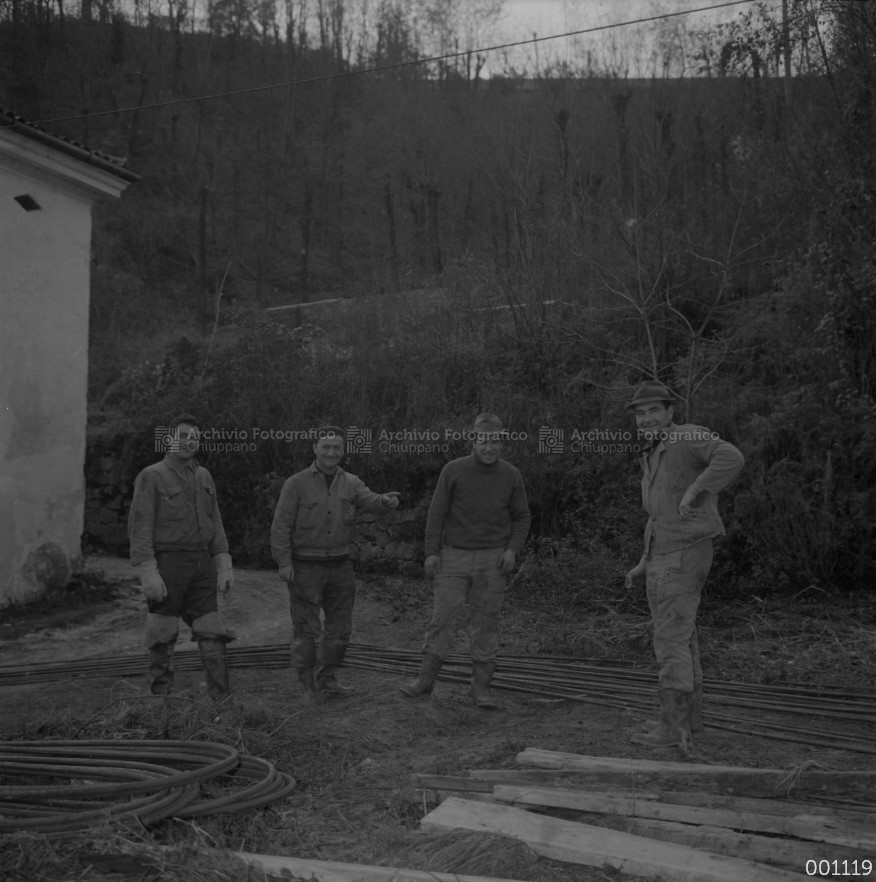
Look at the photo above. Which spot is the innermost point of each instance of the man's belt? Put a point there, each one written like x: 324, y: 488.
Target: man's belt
x: 167, y: 547
x: 321, y: 554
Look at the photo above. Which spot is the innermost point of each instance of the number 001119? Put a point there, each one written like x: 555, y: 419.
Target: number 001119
x: 839, y: 868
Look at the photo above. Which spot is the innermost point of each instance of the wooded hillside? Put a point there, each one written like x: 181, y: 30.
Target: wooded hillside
x: 716, y: 232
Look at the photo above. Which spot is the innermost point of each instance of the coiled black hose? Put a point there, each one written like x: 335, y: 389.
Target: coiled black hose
x: 90, y: 782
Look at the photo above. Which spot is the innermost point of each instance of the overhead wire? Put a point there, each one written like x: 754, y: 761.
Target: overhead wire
x: 386, y: 67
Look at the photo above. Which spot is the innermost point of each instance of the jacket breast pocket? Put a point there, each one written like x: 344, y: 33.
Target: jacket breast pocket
x: 348, y: 508
x: 308, y: 515
x: 208, y: 498
x: 173, y: 505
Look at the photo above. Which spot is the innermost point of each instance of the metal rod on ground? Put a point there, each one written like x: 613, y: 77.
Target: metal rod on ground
x: 553, y: 677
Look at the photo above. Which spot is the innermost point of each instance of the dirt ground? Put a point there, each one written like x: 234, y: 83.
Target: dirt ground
x: 353, y: 758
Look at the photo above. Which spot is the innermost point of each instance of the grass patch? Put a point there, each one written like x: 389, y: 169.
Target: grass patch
x: 118, y: 852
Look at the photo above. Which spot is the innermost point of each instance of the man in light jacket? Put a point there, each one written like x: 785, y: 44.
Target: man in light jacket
x: 684, y: 468
x: 314, y: 524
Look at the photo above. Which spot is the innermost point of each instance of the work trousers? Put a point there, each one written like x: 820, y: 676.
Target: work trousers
x: 190, y: 578
x: 674, y: 584
x: 330, y: 587
x: 473, y: 576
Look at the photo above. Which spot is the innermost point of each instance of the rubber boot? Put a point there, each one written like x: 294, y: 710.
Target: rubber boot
x: 308, y: 682
x: 329, y: 656
x: 424, y: 684
x: 213, y: 660
x: 648, y: 725
x: 674, y: 726
x: 481, y: 677
x: 327, y: 683
x: 683, y: 712
x: 161, y: 667
x: 697, y: 726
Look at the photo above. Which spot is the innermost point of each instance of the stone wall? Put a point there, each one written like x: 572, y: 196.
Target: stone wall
x: 108, y: 492
x: 397, y: 536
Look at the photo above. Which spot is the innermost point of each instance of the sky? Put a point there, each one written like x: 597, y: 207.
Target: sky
x: 634, y: 44
x: 553, y: 16
x: 557, y: 16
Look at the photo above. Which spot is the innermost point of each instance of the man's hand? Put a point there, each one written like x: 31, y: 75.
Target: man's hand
x: 287, y: 573
x: 686, y: 505
x: 154, y: 588
x: 507, y: 561
x: 636, y: 575
x: 224, y: 573
x: 390, y: 500
x: 432, y: 566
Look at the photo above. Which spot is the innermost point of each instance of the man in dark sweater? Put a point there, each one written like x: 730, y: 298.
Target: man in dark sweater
x: 477, y: 524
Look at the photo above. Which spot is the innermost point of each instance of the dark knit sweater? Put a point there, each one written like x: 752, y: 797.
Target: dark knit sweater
x: 478, y: 506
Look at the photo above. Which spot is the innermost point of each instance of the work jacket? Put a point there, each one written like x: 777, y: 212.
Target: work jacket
x: 686, y: 456
x: 313, y: 521
x: 174, y: 509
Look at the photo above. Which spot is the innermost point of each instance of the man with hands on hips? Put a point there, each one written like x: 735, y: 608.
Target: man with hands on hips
x: 180, y: 553
x: 478, y: 521
x: 314, y: 524
x: 684, y: 468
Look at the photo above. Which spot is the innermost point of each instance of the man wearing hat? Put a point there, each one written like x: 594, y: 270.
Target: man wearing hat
x: 684, y: 468
x: 314, y: 524
x: 478, y: 521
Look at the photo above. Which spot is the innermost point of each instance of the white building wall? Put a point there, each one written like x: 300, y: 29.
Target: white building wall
x: 44, y: 297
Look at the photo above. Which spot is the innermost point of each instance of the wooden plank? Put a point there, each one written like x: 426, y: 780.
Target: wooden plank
x: 760, y: 783
x: 599, y: 847
x: 456, y: 783
x: 723, y: 779
x: 713, y: 800
x: 816, y: 827
x: 866, y: 815
x: 789, y: 853
x: 482, y: 781
x: 593, y: 782
x: 553, y: 759
x: 334, y: 871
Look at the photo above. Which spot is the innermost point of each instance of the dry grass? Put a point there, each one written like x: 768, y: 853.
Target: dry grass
x: 116, y: 853
x: 809, y: 641
x: 472, y: 854
x: 353, y: 759
x: 828, y: 643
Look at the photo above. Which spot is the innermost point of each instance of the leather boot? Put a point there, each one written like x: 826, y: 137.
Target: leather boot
x: 308, y: 682
x: 212, y: 652
x: 696, y: 711
x: 161, y: 667
x: 481, y: 677
x: 674, y: 726
x: 424, y: 684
